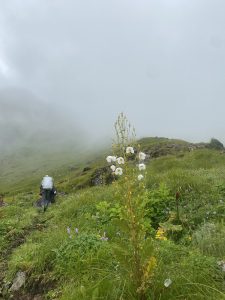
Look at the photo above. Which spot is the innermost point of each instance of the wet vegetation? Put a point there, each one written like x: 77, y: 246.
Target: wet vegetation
x: 81, y: 247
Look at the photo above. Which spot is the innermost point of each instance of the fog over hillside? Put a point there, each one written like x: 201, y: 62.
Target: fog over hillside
x: 160, y: 62
x: 26, y: 121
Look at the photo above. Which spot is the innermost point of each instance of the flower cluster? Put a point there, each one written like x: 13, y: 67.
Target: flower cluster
x: 160, y: 234
x: 118, y: 170
x: 116, y: 160
x: 141, y: 165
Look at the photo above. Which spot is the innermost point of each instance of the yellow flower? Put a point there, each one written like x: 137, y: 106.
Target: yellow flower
x: 149, y: 267
x: 160, y: 234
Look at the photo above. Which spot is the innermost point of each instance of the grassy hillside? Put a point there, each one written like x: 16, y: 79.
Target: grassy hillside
x: 78, y: 248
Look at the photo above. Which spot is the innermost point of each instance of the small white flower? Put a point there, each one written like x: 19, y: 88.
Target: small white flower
x: 142, y: 156
x: 113, y: 168
x: 113, y: 158
x: 120, y: 160
x: 109, y: 159
x: 142, y: 167
x: 130, y: 150
x: 222, y: 265
x: 140, y: 177
x: 167, y: 282
x: 119, y: 171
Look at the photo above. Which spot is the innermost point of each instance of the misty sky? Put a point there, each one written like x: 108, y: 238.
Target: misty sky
x: 161, y: 62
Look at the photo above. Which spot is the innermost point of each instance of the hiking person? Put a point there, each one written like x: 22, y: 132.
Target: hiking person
x: 47, y: 191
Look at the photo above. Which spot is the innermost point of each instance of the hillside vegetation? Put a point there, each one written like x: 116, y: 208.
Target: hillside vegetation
x: 80, y: 249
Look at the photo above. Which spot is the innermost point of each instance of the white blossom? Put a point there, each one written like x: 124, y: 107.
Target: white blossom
x: 113, y: 158
x: 142, y: 167
x: 222, y: 265
x: 142, y: 156
x: 140, y: 177
x: 130, y: 150
x: 113, y: 168
x: 109, y: 159
x: 120, y: 160
x: 68, y: 230
x: 119, y: 171
x: 167, y: 282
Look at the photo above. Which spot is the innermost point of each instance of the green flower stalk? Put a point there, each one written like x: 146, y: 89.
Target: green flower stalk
x: 129, y: 167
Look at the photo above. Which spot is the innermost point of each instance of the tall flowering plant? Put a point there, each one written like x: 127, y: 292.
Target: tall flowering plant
x: 135, y: 252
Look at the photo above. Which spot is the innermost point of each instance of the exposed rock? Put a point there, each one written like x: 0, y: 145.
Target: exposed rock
x: 215, y: 144
x: 18, y: 281
x: 86, y: 169
x: 101, y: 176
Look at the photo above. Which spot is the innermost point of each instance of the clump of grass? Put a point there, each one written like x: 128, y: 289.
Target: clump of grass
x: 210, y: 239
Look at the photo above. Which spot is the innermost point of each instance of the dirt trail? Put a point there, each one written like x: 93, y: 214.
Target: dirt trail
x: 38, y: 223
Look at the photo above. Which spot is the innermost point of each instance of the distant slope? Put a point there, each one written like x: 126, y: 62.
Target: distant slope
x: 35, y: 138
x: 27, y: 121
x: 25, y: 167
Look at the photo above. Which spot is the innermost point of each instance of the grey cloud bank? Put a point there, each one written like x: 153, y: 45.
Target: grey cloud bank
x: 160, y: 62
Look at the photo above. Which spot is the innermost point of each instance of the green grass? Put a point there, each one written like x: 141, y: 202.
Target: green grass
x: 84, y: 266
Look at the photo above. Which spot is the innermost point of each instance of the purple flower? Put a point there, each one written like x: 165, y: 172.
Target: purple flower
x: 69, y: 232
x: 104, y: 237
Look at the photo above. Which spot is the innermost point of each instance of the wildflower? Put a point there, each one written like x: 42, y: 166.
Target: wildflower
x: 140, y: 177
x: 113, y: 168
x: 109, y: 159
x: 142, y: 167
x: 222, y: 265
x: 141, y: 156
x: 160, y: 234
x: 167, y: 282
x: 69, y: 232
x: 130, y: 150
x: 113, y: 158
x: 76, y: 230
x: 104, y: 237
x: 119, y: 171
x: 120, y: 160
x: 149, y: 267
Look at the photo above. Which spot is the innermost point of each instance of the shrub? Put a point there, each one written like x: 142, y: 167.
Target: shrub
x: 210, y: 239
